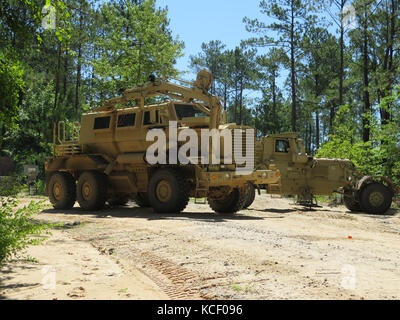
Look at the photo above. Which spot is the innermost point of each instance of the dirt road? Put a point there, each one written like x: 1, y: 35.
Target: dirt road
x: 274, y: 250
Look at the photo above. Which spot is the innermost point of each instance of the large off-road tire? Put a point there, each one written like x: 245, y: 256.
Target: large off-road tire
x: 142, y: 200
x: 250, y: 196
x: 376, y: 198
x: 91, y: 190
x: 168, y: 191
x: 352, y: 204
x: 232, y: 203
x: 62, y: 190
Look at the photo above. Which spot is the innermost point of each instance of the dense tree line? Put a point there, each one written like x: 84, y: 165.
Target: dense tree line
x: 303, y: 68
x: 48, y: 75
x: 339, y: 61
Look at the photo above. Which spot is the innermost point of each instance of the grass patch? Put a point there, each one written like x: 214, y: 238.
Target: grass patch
x: 236, y: 287
x: 240, y: 288
x: 323, y: 199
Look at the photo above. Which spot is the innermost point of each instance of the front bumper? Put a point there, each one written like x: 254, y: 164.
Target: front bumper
x: 231, y: 178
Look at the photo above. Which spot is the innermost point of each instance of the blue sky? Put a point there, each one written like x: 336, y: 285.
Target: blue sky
x: 201, y: 21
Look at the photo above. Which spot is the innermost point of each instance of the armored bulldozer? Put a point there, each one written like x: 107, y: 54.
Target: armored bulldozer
x: 105, y: 158
x: 305, y: 176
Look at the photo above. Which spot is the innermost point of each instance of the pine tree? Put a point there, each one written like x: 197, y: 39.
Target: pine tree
x: 292, y: 16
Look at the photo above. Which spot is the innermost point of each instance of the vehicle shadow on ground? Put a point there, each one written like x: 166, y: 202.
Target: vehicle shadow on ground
x: 295, y: 209
x: 279, y: 211
x: 149, y: 214
x: 392, y: 213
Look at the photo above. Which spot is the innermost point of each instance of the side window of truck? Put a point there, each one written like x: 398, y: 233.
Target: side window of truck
x: 147, y: 118
x: 282, y: 146
x: 102, y: 123
x: 126, y: 120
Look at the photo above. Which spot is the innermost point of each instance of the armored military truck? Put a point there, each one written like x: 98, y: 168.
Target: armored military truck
x: 104, y: 158
x: 305, y: 176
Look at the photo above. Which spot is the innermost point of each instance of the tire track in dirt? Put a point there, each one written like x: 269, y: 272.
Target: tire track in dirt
x: 176, y: 281
x: 255, y: 254
x: 171, y: 277
x: 181, y: 281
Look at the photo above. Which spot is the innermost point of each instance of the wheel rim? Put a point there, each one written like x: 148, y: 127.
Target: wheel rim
x: 87, y: 191
x: 57, y: 191
x: 376, y: 199
x: 164, y: 191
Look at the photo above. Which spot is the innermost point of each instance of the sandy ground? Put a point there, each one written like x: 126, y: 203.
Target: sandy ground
x: 273, y: 250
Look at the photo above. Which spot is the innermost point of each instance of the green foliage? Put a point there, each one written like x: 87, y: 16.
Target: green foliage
x: 99, y: 48
x: 30, y: 140
x: 380, y: 155
x: 17, y: 229
x: 41, y: 187
x: 291, y: 19
x: 282, y: 11
x: 134, y: 43
x: 235, y: 72
x: 52, y: 75
x: 344, y: 145
x: 9, y: 187
x: 271, y: 114
x: 213, y: 57
x: 11, y: 85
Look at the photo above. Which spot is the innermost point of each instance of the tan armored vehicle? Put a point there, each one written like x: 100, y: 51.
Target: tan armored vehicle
x: 105, y: 157
x: 304, y: 176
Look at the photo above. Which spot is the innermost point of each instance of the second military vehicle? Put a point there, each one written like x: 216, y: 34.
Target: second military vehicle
x: 105, y: 159
x: 305, y: 176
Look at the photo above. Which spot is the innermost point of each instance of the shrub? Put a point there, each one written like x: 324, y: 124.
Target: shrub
x: 9, y: 187
x: 41, y: 187
x: 18, y: 229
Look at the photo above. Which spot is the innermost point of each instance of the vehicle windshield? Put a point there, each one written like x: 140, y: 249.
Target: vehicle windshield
x: 188, y: 111
x: 300, y: 147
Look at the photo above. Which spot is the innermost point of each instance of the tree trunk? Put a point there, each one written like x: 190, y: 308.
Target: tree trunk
x: 78, y: 78
x: 317, y: 111
x: 79, y: 63
x: 317, y: 134
x: 66, y: 56
x: 57, y: 78
x: 341, y: 70
x: 225, y: 95
x: 241, y: 102
x: 2, y: 134
x: 367, y: 106
x: 274, y: 101
x: 388, y: 60
x: 293, y: 71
